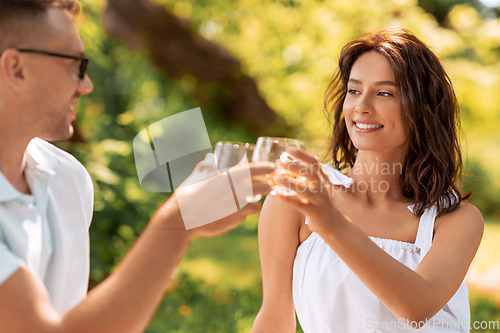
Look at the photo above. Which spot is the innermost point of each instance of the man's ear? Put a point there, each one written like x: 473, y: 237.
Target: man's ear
x: 13, y: 69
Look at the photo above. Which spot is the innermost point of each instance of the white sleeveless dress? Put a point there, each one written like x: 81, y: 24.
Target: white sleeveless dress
x: 329, y: 297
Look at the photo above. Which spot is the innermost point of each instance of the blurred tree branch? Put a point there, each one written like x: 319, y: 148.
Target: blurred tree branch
x: 179, y: 50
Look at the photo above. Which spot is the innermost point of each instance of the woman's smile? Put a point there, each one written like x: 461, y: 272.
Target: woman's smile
x: 366, y: 127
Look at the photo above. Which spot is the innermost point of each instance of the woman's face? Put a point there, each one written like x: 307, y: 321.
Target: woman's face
x: 372, y: 108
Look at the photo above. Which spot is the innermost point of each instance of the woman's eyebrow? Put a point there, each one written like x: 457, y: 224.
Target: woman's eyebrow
x: 385, y: 83
x: 378, y: 83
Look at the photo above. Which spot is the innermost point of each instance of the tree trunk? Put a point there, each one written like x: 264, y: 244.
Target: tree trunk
x: 178, y: 50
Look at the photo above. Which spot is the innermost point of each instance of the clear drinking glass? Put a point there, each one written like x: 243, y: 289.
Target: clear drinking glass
x: 230, y: 154
x: 274, y: 149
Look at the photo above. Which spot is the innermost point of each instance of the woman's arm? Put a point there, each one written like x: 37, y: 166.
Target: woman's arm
x: 278, y: 241
x: 413, y: 295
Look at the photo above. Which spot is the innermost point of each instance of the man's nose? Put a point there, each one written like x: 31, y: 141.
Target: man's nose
x: 85, y: 86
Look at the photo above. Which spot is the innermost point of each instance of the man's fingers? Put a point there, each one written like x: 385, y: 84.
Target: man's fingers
x: 261, y: 168
x: 256, y: 169
x: 261, y: 188
x: 250, y: 208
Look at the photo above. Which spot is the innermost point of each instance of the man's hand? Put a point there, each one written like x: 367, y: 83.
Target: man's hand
x: 204, y: 192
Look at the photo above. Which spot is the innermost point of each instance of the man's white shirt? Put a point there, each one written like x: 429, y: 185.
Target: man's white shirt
x: 48, y: 230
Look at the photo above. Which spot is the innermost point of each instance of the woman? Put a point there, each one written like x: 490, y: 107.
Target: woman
x: 354, y: 253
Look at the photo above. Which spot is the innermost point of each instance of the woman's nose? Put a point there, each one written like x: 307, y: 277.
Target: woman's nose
x: 364, y: 105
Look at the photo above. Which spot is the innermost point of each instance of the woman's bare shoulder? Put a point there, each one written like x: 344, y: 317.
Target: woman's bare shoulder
x: 274, y: 206
x: 467, y: 217
x: 280, y: 215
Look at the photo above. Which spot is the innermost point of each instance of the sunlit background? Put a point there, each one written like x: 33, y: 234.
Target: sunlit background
x: 290, y: 49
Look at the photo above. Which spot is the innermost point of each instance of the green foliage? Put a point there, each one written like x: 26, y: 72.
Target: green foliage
x: 192, y: 306
x: 485, y: 310
x: 485, y: 198
x: 291, y: 49
x: 440, y: 8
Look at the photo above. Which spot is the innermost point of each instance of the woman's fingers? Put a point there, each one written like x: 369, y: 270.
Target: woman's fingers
x: 303, y: 163
x: 300, y: 169
x: 306, y: 190
x: 295, y: 202
x: 303, y: 155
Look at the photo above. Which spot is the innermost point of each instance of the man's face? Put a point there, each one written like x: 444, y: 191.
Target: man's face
x: 54, y: 81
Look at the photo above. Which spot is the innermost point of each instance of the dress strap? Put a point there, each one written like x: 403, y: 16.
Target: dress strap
x: 425, y: 229
x: 336, y: 177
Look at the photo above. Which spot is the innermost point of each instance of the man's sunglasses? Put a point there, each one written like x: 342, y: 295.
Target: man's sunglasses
x: 83, y: 61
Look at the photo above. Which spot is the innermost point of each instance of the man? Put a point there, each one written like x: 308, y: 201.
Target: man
x: 46, y: 195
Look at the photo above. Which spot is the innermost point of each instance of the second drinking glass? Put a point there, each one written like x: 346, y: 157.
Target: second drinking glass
x: 230, y: 154
x: 274, y: 149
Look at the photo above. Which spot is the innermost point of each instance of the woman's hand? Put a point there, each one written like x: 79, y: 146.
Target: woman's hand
x: 307, y: 177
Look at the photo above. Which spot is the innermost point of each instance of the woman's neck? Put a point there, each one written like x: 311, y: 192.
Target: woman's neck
x: 377, y: 175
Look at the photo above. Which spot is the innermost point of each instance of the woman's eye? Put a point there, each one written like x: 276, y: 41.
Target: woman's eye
x: 352, y: 91
x: 384, y: 93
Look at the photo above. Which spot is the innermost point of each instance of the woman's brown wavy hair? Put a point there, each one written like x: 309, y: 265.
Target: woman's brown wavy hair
x: 430, y: 114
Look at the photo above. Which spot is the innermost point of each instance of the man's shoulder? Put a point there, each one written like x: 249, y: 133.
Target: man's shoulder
x: 50, y: 156
x: 63, y: 163
x: 70, y: 181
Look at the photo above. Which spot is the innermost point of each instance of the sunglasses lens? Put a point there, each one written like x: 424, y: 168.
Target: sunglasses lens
x: 83, y: 68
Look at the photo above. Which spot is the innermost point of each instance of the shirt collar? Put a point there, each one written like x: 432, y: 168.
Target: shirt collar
x: 7, y: 191
x: 39, y: 158
x: 38, y: 166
